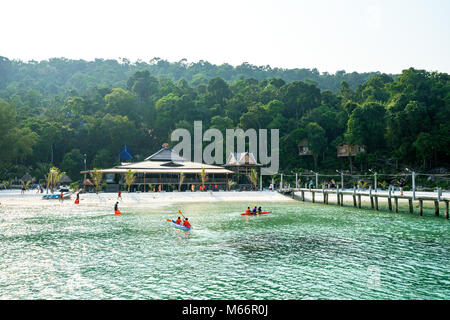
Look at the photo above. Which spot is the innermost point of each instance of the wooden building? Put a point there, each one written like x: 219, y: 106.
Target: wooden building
x: 303, y: 149
x: 164, y: 169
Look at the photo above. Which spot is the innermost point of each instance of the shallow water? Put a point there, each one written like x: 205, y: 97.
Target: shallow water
x: 300, y: 251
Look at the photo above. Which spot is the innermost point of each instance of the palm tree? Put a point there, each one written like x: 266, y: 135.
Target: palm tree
x: 129, y: 178
x: 254, y: 178
x: 53, y: 178
x: 97, y: 177
x: 230, y: 184
x: 182, y: 177
x: 203, y: 175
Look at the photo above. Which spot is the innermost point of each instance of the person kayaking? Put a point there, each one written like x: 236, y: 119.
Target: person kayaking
x: 186, y: 223
x: 248, y: 211
x: 254, y: 210
x: 259, y: 210
x: 178, y: 221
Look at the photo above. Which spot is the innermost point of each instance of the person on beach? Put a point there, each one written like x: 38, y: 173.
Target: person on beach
x: 178, y: 221
x: 77, y: 200
x: 23, y: 189
x: 119, y: 195
x: 61, y: 196
x: 401, y: 184
x: 186, y: 223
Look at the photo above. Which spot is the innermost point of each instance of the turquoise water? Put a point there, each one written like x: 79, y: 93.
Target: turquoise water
x: 300, y: 251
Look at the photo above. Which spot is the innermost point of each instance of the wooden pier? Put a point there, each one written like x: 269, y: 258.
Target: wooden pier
x: 392, y: 199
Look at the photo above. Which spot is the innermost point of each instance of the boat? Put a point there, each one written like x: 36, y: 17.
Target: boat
x: 178, y: 226
x: 66, y: 194
x: 254, y: 214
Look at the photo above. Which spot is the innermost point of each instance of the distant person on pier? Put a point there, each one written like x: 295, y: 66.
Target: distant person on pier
x: 401, y: 184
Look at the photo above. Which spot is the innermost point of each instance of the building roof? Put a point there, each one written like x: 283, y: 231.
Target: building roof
x: 241, y: 159
x: 165, y: 154
x: 65, y: 178
x: 162, y: 162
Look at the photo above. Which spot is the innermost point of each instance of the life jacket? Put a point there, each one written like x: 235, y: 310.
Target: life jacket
x: 248, y: 211
x: 178, y: 221
x: 117, y: 212
x: 186, y: 224
x: 77, y: 201
x: 254, y: 210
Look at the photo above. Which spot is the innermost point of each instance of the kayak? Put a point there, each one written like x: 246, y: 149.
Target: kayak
x: 179, y: 226
x: 254, y: 214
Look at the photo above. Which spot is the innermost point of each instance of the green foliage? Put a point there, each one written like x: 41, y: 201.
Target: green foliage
x: 53, y: 112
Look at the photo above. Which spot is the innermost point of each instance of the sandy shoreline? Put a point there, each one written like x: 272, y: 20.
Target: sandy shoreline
x: 15, y: 198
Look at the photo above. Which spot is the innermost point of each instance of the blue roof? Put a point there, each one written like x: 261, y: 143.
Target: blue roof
x: 125, y: 153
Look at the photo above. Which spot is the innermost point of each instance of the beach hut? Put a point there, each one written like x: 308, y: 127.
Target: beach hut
x: 65, y: 179
x: 303, y: 149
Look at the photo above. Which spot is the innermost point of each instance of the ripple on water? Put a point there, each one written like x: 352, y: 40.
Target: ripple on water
x: 300, y: 251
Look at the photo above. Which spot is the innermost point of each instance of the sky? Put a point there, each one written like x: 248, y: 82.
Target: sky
x: 330, y: 35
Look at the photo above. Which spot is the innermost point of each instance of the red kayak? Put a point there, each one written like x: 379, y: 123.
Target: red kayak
x: 254, y: 214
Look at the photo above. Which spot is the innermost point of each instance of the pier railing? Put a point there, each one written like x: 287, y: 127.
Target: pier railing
x: 374, y: 196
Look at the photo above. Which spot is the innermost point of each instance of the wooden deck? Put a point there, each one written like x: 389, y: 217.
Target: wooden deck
x: 392, y: 199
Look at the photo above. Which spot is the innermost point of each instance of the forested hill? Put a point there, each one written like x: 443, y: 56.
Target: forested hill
x: 53, y: 112
x: 60, y: 75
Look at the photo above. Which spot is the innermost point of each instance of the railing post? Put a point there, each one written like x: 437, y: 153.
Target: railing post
x: 281, y: 182
x: 296, y: 181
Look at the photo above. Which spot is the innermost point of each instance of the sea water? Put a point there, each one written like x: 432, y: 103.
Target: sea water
x: 300, y: 251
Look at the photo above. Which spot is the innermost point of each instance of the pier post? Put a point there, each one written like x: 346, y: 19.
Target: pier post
x: 376, y: 203
x: 436, y: 208
x: 446, y: 209
x: 342, y: 199
x: 313, y: 197
x: 359, y: 201
x: 354, y: 197
x: 296, y: 181
x: 281, y: 182
x: 390, y: 199
x: 396, y: 204
x: 411, y: 209
x: 420, y: 207
x: 371, y: 198
x: 337, y: 197
x: 323, y: 193
x: 303, y: 195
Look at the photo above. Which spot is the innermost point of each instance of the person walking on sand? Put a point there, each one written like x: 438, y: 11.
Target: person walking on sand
x: 23, y: 189
x: 119, y: 195
x: 61, y: 196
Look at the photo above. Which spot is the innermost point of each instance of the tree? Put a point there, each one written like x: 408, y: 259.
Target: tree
x: 203, y: 176
x: 129, y: 178
x: 367, y: 126
x: 182, y: 177
x: 317, y: 140
x: 97, y: 176
x: 53, y: 178
x: 253, y: 176
x: 73, y: 163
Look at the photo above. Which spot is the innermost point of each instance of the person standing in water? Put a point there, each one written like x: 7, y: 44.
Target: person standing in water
x: 116, y: 209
